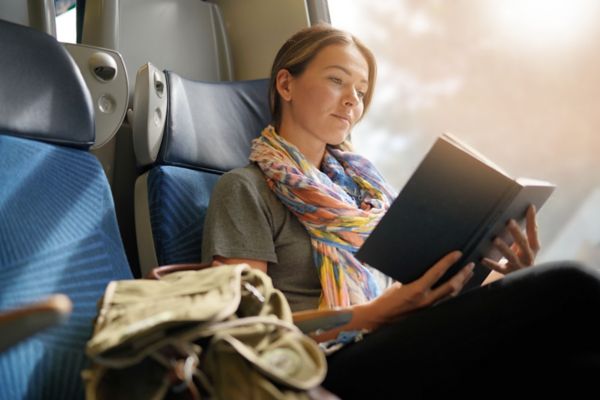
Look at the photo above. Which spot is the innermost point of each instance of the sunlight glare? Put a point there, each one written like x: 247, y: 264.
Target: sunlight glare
x: 545, y: 23
x: 66, y: 26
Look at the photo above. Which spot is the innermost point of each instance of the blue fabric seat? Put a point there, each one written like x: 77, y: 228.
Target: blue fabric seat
x: 208, y: 131
x: 58, y: 230
x: 178, y: 199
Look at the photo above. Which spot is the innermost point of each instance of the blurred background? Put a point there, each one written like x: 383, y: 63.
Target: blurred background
x: 519, y: 80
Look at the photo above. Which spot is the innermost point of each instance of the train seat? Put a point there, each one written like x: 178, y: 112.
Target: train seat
x: 207, y: 131
x: 187, y: 36
x: 40, y: 14
x: 58, y: 230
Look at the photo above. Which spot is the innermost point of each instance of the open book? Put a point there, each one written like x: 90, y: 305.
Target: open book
x: 455, y: 200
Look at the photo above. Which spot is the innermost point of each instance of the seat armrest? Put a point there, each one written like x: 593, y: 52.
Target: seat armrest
x: 318, y: 321
x: 20, y: 323
x: 159, y: 272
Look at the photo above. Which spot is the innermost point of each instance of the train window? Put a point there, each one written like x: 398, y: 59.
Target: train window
x: 516, y: 79
x: 66, y: 20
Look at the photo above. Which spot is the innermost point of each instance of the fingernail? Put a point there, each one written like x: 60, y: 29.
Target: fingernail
x: 470, y: 266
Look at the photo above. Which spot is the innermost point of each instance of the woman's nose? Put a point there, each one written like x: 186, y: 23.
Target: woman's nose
x: 351, y: 98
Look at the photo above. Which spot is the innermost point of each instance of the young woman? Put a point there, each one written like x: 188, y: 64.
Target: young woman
x: 305, y: 204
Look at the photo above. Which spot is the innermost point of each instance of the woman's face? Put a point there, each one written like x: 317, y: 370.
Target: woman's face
x: 325, y: 101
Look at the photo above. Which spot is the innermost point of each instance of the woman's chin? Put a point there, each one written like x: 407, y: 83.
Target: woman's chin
x: 337, y: 141
x: 338, y: 136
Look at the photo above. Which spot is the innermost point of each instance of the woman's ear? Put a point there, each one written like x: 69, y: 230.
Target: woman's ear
x: 283, y: 82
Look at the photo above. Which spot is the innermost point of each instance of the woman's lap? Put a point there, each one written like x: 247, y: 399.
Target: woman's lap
x: 539, y: 319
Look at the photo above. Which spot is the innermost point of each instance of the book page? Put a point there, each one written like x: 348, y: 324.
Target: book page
x: 533, y: 182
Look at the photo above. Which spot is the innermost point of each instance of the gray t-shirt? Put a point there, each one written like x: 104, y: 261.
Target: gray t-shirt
x: 245, y: 219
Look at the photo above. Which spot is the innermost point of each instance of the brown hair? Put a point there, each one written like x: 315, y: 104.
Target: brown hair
x: 299, y: 50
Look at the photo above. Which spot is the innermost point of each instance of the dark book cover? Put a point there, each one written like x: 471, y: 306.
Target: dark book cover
x: 455, y: 200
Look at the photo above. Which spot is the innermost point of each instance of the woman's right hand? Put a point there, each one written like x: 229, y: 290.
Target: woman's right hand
x: 399, y: 299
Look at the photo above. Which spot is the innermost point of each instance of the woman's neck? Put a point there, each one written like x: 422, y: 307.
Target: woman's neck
x: 312, y: 148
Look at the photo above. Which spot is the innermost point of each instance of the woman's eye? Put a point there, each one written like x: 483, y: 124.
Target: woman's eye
x: 335, y: 80
x: 360, y: 94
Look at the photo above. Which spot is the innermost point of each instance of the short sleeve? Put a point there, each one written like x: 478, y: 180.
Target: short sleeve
x: 238, y: 223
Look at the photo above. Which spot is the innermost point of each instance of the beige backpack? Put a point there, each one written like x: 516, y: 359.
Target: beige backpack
x: 219, y: 333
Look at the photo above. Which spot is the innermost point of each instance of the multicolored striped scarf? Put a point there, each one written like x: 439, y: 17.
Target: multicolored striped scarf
x: 339, y: 206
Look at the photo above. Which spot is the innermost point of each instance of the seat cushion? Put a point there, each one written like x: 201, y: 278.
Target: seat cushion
x: 210, y: 125
x: 178, y: 199
x: 58, y: 234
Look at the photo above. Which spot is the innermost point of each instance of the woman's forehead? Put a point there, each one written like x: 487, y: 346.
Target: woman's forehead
x: 346, y: 56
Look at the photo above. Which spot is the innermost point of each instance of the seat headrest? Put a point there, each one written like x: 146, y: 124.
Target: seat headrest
x: 210, y: 125
x: 42, y: 93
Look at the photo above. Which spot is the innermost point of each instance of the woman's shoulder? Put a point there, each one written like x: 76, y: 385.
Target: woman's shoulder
x: 249, y: 177
x: 250, y: 172
x: 246, y: 185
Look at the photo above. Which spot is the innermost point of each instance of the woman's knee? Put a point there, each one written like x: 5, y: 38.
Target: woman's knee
x: 570, y: 279
x: 572, y: 273
x: 557, y: 283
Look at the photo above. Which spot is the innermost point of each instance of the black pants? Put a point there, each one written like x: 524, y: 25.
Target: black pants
x: 533, y: 332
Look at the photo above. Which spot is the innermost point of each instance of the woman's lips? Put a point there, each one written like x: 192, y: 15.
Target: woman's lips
x: 342, y: 117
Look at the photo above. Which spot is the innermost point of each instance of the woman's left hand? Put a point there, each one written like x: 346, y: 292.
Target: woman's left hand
x: 524, y: 249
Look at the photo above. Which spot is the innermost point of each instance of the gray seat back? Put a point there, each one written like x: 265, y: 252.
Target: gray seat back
x: 37, y: 14
x: 187, y: 36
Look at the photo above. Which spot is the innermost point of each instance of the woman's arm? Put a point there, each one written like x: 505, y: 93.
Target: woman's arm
x: 397, y: 301
x: 360, y: 314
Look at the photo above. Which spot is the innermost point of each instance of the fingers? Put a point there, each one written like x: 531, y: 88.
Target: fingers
x: 462, y: 278
x: 508, y: 253
x: 467, y: 277
x: 438, y: 270
x: 454, y: 285
x: 525, y: 248
x: 525, y: 253
x: 494, y: 265
x: 422, y: 295
x: 532, y: 229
